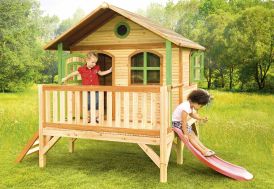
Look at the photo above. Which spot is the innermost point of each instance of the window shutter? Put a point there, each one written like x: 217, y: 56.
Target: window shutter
x: 196, y: 67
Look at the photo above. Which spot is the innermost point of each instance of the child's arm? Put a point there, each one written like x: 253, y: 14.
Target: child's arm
x: 102, y: 73
x: 198, y: 117
x: 69, y: 76
x: 184, y: 123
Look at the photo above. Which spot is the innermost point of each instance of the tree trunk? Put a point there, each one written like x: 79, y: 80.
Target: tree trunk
x: 231, y: 77
x: 222, y: 78
x: 52, y: 78
x: 209, y: 78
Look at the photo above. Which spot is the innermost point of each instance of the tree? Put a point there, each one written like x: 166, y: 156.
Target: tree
x: 211, y: 36
x: 253, y: 35
x: 19, y: 46
x: 188, y: 23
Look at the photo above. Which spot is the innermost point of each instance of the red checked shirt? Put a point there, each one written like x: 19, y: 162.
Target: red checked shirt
x: 89, y: 76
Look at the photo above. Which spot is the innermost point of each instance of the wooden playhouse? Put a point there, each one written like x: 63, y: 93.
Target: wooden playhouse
x: 154, y: 69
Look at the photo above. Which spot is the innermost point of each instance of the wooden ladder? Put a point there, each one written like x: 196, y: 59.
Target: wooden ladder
x: 31, y: 147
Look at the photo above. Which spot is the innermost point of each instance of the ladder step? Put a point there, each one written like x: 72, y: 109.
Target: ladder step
x: 33, y: 150
x: 36, y: 143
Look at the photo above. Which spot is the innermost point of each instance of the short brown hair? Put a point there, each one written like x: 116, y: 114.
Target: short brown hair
x: 92, y: 54
x: 199, y: 96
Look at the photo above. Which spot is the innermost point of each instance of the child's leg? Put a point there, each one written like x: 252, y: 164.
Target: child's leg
x: 196, y: 143
x: 199, y: 142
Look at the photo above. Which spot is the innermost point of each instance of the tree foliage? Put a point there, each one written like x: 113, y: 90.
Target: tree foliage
x: 19, y: 46
x: 238, y: 36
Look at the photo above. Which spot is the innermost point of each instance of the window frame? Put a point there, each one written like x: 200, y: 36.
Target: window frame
x: 193, y: 66
x: 118, y: 25
x: 145, y: 68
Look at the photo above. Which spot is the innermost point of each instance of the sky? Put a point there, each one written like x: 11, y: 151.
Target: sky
x: 65, y: 8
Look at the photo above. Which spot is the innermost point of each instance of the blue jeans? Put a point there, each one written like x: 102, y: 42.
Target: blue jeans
x: 96, y: 100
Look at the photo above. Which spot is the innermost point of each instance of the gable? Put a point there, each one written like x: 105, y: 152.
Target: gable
x: 105, y: 35
x: 102, y: 15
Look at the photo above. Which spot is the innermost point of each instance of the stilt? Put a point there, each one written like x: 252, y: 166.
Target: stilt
x: 71, y: 144
x: 179, y: 151
x: 42, y: 138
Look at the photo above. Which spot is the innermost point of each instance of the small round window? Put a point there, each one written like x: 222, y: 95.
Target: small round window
x: 122, y: 30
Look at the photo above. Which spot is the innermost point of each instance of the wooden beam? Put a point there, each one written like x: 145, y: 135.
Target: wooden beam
x: 143, y: 89
x: 120, y: 46
x: 153, y: 156
x: 98, y: 128
x: 101, y: 136
x: 50, y: 144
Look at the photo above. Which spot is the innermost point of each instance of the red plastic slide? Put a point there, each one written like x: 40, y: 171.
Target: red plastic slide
x: 216, y: 163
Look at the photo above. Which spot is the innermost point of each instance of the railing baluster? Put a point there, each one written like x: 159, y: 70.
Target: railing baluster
x: 77, y: 107
x: 144, y: 110
x: 48, y: 104
x: 62, y: 106
x: 153, y: 110
x: 85, y: 107
x: 55, y: 107
x: 69, y: 106
x: 118, y: 109
x: 101, y: 107
x: 126, y: 109
x: 109, y: 108
x: 135, y: 110
x: 92, y: 108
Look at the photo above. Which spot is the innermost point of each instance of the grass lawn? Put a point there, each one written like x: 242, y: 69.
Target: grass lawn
x: 240, y: 129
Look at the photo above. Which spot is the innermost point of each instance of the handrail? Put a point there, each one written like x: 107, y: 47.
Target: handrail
x: 177, y: 86
x: 152, y: 89
x: 171, y: 87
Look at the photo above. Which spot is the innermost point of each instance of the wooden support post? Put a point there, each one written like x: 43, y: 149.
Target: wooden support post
x: 179, y: 150
x: 163, y: 135
x: 71, y: 144
x: 42, y: 138
x: 60, y: 64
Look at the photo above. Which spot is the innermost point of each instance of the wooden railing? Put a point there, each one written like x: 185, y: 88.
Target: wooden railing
x: 124, y: 107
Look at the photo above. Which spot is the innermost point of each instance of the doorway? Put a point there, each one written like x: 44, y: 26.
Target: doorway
x: 105, y: 62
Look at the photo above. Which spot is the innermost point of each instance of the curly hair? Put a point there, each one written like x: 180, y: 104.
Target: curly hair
x: 199, y: 96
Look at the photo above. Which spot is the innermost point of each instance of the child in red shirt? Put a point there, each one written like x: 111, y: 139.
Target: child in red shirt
x: 89, y: 74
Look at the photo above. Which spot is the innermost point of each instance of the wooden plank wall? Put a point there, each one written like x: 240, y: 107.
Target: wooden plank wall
x: 105, y: 35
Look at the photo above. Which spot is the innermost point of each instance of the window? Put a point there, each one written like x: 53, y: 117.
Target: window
x: 122, y: 30
x: 145, y: 69
x: 196, y: 67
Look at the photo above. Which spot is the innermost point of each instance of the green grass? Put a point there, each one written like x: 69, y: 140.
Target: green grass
x: 240, y: 129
